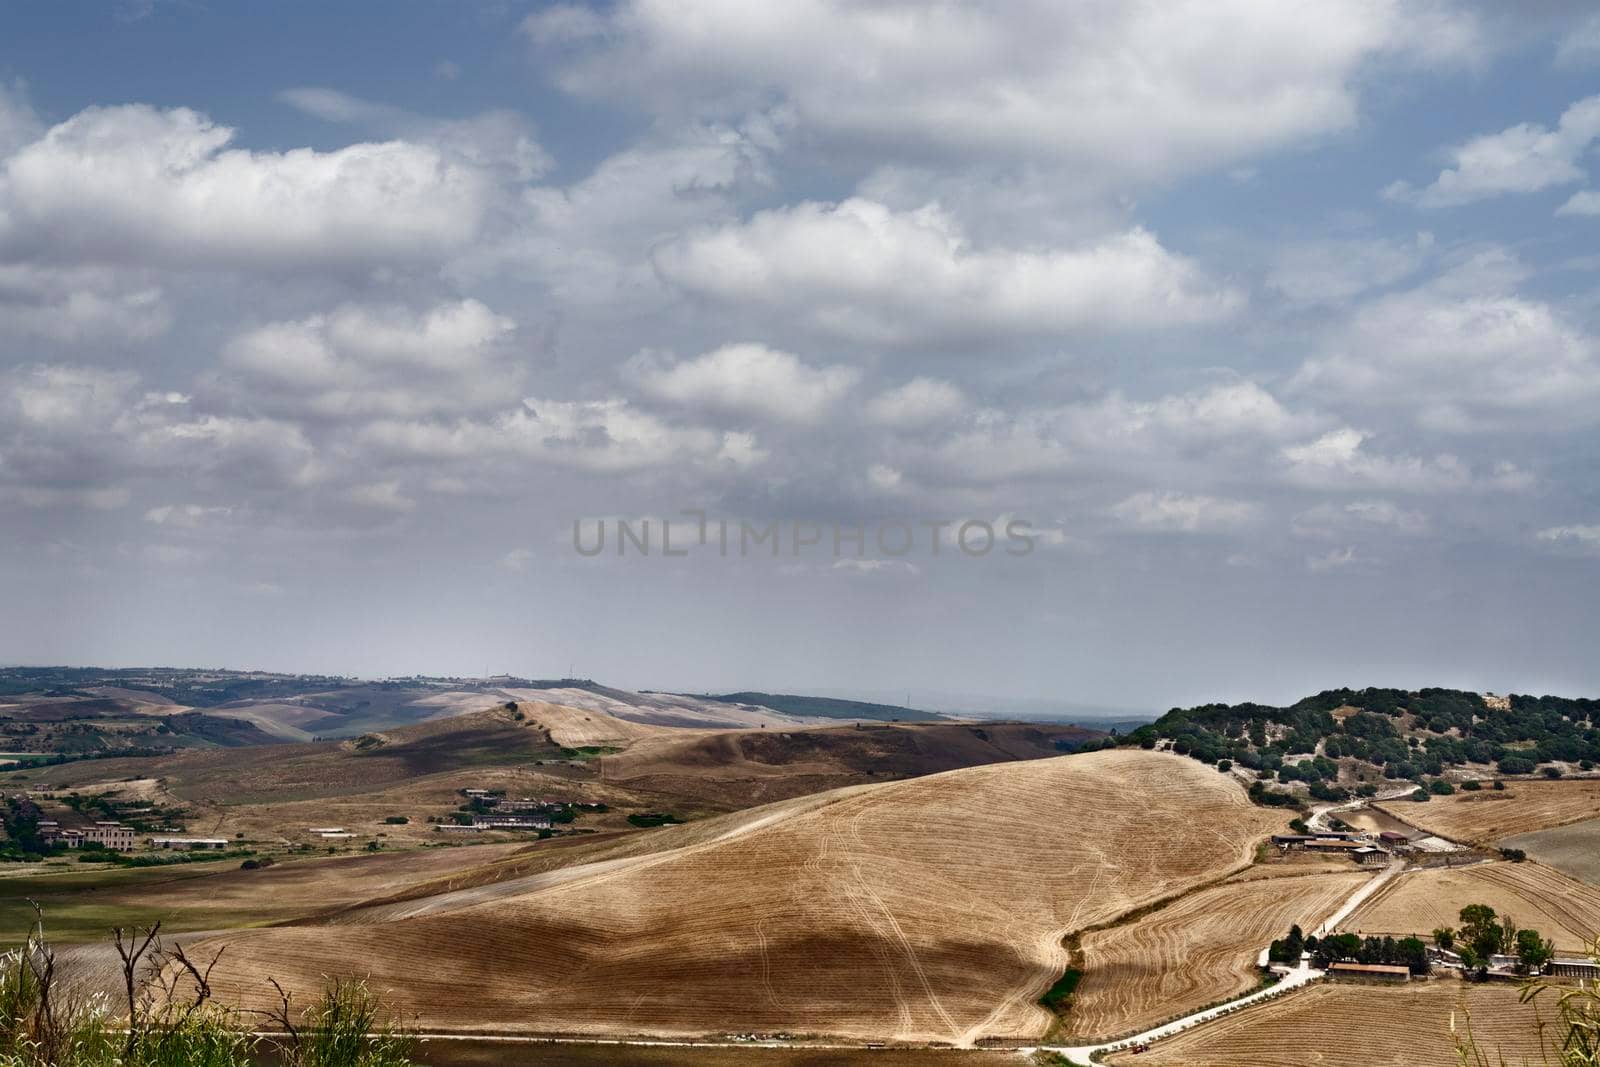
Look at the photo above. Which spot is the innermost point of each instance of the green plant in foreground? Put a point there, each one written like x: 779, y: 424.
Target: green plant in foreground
x: 1572, y: 1039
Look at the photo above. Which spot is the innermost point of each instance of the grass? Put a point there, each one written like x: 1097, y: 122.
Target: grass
x: 82, y: 906
x: 1058, y: 998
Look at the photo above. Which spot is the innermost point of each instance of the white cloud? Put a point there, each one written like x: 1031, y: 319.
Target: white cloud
x: 1331, y: 521
x: 1340, y: 459
x: 863, y: 271
x: 498, y: 140
x: 1185, y: 512
x: 1332, y: 271
x: 1580, y: 46
x: 1583, y: 538
x: 598, y: 435
x: 75, y: 304
x: 517, y: 560
x: 1522, y: 159
x: 363, y: 360
x: 1332, y: 560
x: 877, y: 567
x: 917, y: 403
x: 1109, y: 88
x: 1464, y: 353
x: 745, y: 379
x: 138, y: 184
x: 1584, y: 203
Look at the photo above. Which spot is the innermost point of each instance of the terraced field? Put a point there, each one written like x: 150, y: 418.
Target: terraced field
x: 1487, y: 815
x: 1564, y: 910
x: 1373, y: 1026
x: 930, y: 909
x: 1197, y: 950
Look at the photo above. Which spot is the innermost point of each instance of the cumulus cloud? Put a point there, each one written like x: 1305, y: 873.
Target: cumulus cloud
x: 1334, y: 270
x: 1331, y: 521
x: 863, y: 271
x: 1463, y: 353
x: 142, y: 185
x: 76, y: 304
x: 1340, y: 459
x: 1524, y: 158
x: 1113, y: 89
x: 498, y: 140
x: 1184, y: 512
x: 361, y: 361
x: 917, y: 403
x: 597, y: 435
x: 745, y: 379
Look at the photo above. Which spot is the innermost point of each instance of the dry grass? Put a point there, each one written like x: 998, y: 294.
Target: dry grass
x: 1488, y: 815
x: 1564, y: 910
x: 1197, y: 950
x: 931, y: 909
x: 1374, y: 1026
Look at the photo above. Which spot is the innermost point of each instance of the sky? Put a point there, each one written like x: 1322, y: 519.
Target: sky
x: 1108, y: 352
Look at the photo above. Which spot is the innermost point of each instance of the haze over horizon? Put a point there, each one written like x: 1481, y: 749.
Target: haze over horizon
x: 313, y: 347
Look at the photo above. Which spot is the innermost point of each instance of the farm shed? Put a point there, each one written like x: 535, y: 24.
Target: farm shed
x: 1380, y: 972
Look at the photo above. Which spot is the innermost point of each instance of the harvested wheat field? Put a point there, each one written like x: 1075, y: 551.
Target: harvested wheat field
x: 1487, y: 815
x: 1342, y: 1024
x: 1573, y: 849
x: 1536, y: 896
x: 1195, y: 951
x: 930, y: 909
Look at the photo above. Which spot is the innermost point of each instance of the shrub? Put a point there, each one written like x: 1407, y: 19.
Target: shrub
x: 1552, y: 772
x: 1471, y: 785
x: 396, y: 820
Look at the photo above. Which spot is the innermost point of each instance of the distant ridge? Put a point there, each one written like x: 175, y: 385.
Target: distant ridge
x: 825, y: 707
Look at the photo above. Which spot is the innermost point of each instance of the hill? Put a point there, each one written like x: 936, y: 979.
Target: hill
x: 828, y: 707
x: 1344, y: 739
x: 930, y: 909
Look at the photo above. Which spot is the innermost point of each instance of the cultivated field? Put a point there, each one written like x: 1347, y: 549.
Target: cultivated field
x: 1195, y: 951
x: 1487, y: 815
x: 1401, y: 1026
x: 930, y: 909
x: 1564, y: 910
x: 737, y: 768
x: 1573, y: 849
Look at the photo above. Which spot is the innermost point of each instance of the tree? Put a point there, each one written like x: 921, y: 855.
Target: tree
x: 1533, y: 951
x: 1414, y: 954
x: 1444, y: 937
x: 1480, y: 930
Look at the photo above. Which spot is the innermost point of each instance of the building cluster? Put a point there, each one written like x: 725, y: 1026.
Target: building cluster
x: 1363, y: 848
x: 120, y: 838
x: 493, y: 811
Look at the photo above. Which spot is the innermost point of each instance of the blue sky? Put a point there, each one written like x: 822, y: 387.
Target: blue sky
x: 1276, y: 322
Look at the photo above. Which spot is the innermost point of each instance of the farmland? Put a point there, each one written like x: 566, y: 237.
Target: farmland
x: 1196, y: 950
x: 1573, y: 849
x: 931, y: 909
x: 1486, y: 816
x: 1566, y: 911
x: 1337, y: 1024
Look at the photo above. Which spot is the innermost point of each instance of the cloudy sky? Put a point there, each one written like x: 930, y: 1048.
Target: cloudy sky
x: 1276, y: 321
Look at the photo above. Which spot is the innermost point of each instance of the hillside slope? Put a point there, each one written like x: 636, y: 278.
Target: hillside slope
x: 930, y: 909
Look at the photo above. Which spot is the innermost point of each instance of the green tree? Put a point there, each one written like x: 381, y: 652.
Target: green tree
x: 1444, y: 937
x: 1533, y: 951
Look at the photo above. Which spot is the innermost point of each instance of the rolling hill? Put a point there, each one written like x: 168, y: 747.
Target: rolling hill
x: 928, y: 909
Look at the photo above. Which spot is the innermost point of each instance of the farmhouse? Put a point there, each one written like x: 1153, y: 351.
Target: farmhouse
x: 189, y: 844
x: 1332, y: 846
x: 1392, y: 837
x: 1366, y: 855
x: 1379, y: 972
x: 1574, y: 968
x: 512, y: 822
x: 458, y: 828
x: 110, y: 834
